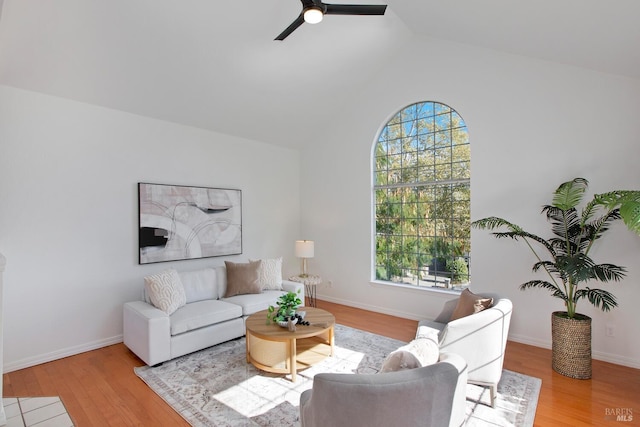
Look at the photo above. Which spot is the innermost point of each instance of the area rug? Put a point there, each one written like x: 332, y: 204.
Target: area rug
x: 217, y: 387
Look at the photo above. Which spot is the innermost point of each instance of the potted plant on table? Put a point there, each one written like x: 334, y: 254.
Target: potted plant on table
x: 286, y: 309
x: 569, y: 265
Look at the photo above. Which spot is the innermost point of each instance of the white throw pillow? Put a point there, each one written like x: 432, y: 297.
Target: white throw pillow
x: 270, y: 273
x: 418, y: 353
x: 165, y: 290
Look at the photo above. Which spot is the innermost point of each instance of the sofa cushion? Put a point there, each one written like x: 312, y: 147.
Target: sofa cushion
x: 199, y: 284
x: 202, y: 313
x: 255, y: 302
x: 418, y: 353
x: 221, y: 279
x: 270, y: 273
x: 165, y: 290
x: 242, y: 278
x: 470, y: 303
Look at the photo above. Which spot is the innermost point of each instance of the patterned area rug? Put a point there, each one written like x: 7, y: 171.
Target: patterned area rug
x: 217, y: 387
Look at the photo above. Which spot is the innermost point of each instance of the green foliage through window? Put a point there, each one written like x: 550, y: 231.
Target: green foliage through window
x: 422, y: 198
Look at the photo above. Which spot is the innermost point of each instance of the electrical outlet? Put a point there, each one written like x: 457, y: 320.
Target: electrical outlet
x: 611, y: 330
x: 330, y: 283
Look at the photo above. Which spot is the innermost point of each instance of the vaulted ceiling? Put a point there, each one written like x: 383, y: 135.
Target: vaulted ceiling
x: 215, y: 65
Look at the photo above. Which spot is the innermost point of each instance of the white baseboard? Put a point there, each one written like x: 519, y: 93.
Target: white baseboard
x: 373, y: 308
x: 530, y: 341
x: 59, y: 354
x: 616, y: 359
x: 597, y: 355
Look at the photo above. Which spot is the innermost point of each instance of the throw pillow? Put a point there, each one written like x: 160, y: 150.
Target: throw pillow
x: 470, y: 303
x: 418, y: 353
x: 270, y: 273
x: 165, y: 291
x: 242, y: 278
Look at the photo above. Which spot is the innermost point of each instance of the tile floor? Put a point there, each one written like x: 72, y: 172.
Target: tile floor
x: 36, y: 412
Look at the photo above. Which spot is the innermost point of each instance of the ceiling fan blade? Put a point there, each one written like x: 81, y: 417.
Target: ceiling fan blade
x: 291, y: 28
x: 355, y: 9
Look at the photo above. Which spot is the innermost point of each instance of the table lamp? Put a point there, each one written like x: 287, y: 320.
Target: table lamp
x: 304, y: 250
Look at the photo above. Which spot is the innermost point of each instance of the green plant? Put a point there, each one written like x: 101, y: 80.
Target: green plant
x: 629, y: 203
x: 459, y: 271
x: 575, y: 233
x: 287, y: 305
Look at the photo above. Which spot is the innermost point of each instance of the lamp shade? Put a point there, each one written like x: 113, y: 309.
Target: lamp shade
x: 304, y: 248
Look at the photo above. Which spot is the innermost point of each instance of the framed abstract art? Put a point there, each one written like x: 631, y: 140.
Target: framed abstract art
x: 178, y: 222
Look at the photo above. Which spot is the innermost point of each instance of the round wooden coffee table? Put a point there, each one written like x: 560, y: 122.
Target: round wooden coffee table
x: 273, y: 348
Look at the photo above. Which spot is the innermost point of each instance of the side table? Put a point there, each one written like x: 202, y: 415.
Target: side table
x: 310, y: 282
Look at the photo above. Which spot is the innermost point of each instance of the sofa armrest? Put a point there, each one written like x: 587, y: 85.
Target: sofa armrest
x: 147, y: 332
x: 291, y: 286
x: 460, y: 395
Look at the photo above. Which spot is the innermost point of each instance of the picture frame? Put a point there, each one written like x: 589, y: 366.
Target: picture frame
x: 178, y: 222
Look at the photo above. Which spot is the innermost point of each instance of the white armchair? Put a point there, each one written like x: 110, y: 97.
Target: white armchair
x: 480, y: 339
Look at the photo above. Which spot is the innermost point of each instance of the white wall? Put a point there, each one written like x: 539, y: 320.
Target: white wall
x: 68, y: 213
x: 532, y: 126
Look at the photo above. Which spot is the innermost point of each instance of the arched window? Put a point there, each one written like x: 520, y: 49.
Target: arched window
x: 421, y: 185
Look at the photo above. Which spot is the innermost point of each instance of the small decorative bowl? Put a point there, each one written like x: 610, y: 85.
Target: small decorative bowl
x: 285, y: 323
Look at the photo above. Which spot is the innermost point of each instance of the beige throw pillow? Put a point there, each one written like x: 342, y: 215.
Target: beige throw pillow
x: 270, y: 273
x: 165, y: 291
x: 470, y: 303
x: 418, y: 353
x: 242, y: 278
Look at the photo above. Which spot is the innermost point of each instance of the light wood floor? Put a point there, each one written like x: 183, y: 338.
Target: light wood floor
x: 99, y: 387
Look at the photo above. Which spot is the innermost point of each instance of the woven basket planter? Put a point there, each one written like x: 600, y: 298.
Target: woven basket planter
x: 571, y: 345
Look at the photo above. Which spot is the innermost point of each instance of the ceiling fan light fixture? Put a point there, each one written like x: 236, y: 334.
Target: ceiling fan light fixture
x: 314, y: 10
x: 313, y: 15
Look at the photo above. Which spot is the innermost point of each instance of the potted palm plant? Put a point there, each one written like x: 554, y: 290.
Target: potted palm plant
x: 568, y: 264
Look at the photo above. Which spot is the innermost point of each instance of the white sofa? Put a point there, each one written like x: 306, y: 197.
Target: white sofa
x: 206, y: 319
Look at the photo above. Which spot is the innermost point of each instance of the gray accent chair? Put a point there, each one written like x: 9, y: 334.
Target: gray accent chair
x: 430, y: 396
x: 480, y: 339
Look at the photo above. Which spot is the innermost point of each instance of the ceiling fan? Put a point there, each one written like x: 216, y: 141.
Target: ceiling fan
x: 314, y: 10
